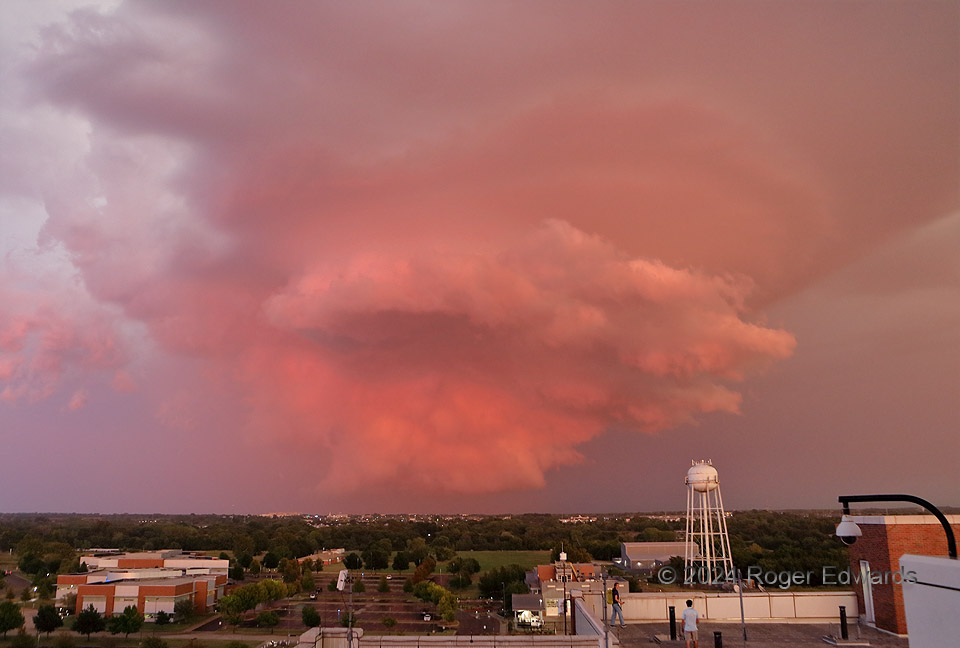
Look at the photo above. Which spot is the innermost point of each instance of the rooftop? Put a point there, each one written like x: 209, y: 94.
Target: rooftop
x: 759, y: 635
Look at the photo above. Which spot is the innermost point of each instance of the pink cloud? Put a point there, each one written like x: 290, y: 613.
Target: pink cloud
x: 78, y: 400
x: 454, y: 237
x: 46, y: 335
x: 524, y: 353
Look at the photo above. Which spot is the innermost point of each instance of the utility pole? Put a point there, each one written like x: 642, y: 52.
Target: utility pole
x: 603, y: 601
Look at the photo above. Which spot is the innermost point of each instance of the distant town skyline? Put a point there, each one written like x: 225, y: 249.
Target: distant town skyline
x: 484, y: 257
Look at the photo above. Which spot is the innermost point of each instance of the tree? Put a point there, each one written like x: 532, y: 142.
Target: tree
x: 424, y: 569
x: 10, y: 617
x: 162, y: 618
x: 290, y: 569
x: 128, y: 621
x: 332, y: 585
x: 47, y: 619
x: 271, y: 560
x: 231, y: 607
x: 268, y: 620
x: 401, y: 561
x: 307, y: 582
x: 383, y: 586
x: 465, y: 565
x: 183, y: 609
x: 374, y: 557
x: 359, y: 587
x: 236, y: 572
x: 89, y: 621
x: 462, y: 580
x: 575, y: 554
x: 311, y: 618
x: 254, y: 567
x: 418, y: 550
x: 353, y: 561
x: 492, y: 583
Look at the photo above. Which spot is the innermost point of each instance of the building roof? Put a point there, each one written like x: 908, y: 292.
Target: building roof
x: 653, y: 550
x: 526, y: 601
x: 581, y: 571
x: 887, y: 520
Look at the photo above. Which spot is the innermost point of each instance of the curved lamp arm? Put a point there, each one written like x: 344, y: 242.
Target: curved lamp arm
x: 913, y: 499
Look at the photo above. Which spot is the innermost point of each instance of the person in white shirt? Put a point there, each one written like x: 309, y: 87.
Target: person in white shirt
x: 690, y: 618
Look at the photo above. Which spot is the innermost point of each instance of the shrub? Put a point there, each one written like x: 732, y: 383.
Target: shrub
x: 23, y: 640
x: 384, y: 586
x: 64, y: 641
x: 359, y: 586
x: 183, y: 609
x: 388, y: 622
x: 310, y: 616
x: 268, y: 619
x: 153, y: 642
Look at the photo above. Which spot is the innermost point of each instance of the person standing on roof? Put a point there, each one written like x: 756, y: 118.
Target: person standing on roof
x: 617, y: 608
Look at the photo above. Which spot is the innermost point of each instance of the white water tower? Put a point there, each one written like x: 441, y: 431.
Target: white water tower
x: 707, y: 552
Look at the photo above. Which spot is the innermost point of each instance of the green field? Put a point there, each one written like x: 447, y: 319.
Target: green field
x: 492, y: 559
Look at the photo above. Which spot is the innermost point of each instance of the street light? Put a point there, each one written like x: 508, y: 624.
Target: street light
x: 849, y: 531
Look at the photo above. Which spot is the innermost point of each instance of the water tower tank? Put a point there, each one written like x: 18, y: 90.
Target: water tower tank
x: 702, y: 477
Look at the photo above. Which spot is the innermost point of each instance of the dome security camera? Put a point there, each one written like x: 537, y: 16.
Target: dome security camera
x: 848, y: 531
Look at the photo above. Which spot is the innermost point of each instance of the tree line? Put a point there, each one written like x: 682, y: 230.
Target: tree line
x: 46, y: 545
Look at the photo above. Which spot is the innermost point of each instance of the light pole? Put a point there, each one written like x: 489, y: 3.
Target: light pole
x: 913, y: 499
x: 564, y: 579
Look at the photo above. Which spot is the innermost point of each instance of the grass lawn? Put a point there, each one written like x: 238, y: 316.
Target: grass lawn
x: 492, y: 559
x: 119, y: 641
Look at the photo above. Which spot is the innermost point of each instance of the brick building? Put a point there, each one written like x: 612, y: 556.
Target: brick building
x: 875, y: 562
x: 153, y: 581
x: 149, y: 595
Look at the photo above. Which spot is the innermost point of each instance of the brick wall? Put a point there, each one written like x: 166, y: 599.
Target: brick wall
x: 884, y: 540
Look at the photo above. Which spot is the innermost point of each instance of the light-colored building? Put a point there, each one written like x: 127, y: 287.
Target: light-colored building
x: 166, y: 559
x: 527, y: 610
x: 649, y: 555
x: 327, y: 557
x: 563, y: 577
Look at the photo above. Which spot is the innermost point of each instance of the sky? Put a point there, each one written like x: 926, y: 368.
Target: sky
x: 477, y: 256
